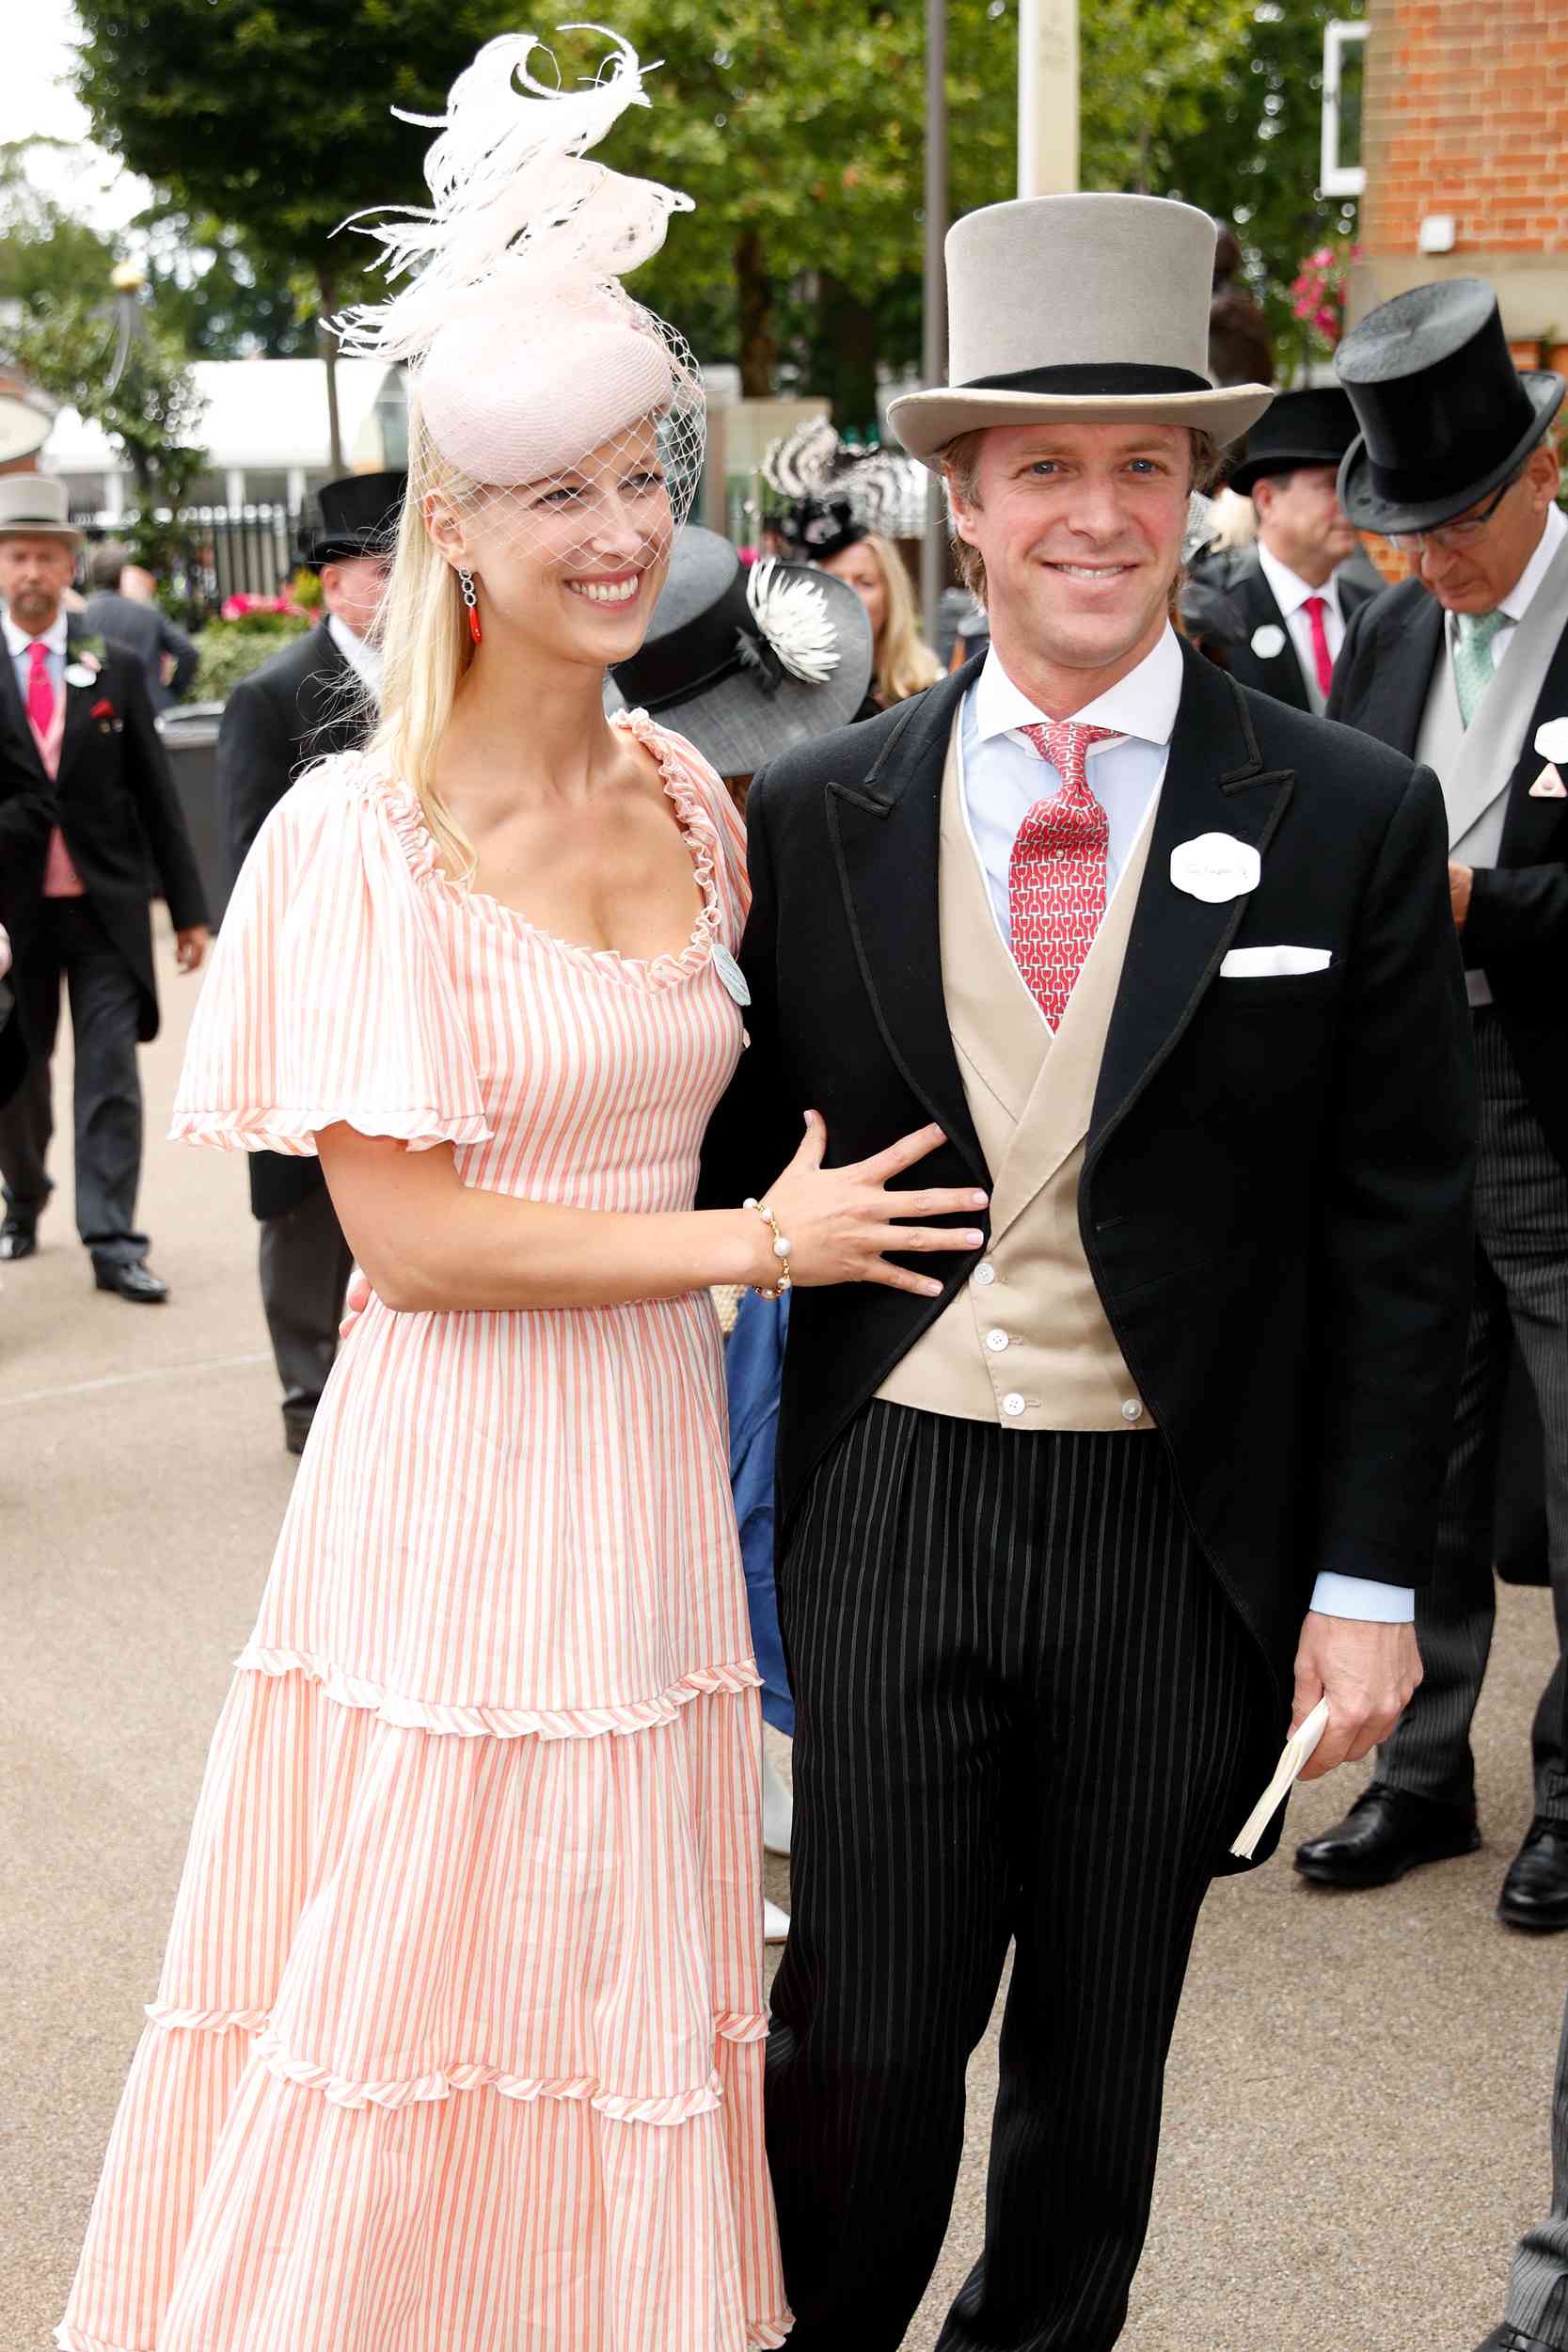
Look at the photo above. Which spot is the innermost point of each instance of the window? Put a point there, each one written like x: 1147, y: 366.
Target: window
x: 1344, y: 55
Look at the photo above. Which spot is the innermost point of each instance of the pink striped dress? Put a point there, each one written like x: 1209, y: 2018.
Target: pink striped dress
x: 458, y: 2044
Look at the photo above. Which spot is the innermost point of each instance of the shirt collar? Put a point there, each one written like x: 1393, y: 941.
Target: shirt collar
x: 1522, y: 594
x: 1291, y: 592
x: 54, y: 637
x: 363, y: 659
x: 1143, y: 703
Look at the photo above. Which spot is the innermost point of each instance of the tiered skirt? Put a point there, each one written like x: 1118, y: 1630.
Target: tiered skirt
x: 458, y: 2044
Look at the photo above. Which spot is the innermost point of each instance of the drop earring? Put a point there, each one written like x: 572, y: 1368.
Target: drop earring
x: 470, y: 597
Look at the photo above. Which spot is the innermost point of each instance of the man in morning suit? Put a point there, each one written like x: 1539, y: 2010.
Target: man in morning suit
x: 1291, y: 601
x: 86, y: 795
x: 313, y: 699
x: 1068, y: 1537
x: 1465, y: 666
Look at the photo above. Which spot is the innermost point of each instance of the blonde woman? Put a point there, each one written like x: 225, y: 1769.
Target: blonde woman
x: 904, y: 664
x: 458, y: 2044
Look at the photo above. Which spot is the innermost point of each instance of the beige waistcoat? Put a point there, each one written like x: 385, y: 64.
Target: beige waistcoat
x: 1025, y: 1342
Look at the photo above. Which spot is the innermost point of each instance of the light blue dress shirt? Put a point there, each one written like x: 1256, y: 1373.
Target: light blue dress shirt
x: 1003, y: 778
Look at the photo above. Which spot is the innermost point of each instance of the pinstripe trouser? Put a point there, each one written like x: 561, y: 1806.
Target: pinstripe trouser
x: 1537, y: 2283
x: 1024, y: 1713
x: 1522, y: 1288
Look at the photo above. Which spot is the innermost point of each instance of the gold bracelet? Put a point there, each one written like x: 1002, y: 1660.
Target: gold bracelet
x: 780, y: 1252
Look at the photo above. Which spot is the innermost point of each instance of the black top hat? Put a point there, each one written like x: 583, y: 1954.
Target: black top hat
x: 1445, y: 414
x: 358, y: 516
x: 1311, y: 428
x: 823, y: 527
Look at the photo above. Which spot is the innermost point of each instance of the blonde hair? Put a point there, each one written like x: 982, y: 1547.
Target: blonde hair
x: 904, y: 662
x: 960, y: 471
x: 423, y: 633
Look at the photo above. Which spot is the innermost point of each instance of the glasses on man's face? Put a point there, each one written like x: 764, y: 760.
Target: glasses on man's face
x: 1462, y: 533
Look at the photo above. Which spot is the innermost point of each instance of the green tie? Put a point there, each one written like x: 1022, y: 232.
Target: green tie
x: 1472, y: 658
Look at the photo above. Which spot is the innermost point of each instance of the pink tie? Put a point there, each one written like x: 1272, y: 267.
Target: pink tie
x: 1315, y: 607
x: 1056, y: 873
x: 40, y: 691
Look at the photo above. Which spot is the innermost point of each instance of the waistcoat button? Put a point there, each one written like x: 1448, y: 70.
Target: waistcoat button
x: 996, y: 1342
x: 1012, y: 1403
x: 985, y: 1276
x: 1132, y: 1410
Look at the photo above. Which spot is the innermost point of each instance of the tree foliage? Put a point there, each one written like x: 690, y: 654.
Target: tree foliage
x: 45, y: 254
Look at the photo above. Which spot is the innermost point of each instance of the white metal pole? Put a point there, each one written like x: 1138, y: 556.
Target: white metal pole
x: 933, y: 554
x: 1047, y: 97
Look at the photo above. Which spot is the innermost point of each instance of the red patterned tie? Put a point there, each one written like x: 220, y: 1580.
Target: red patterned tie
x: 1056, y: 873
x: 1315, y: 607
x: 41, y: 688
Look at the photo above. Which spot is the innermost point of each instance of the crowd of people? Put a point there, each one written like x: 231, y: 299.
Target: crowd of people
x: 1097, y: 1112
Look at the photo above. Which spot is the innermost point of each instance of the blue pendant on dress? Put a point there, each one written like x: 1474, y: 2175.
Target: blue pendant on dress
x: 730, y: 972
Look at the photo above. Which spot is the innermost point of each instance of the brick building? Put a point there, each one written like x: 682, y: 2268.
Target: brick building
x: 1464, y: 118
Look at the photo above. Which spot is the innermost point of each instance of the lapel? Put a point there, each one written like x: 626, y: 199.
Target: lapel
x: 1402, y: 676
x: 79, y: 701
x: 1532, y: 830
x: 1278, y: 673
x: 885, y: 834
x: 13, y: 715
x: 1215, y: 782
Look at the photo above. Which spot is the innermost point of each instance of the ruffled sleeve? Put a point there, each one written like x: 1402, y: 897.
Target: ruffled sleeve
x: 328, y: 997
x: 704, y: 802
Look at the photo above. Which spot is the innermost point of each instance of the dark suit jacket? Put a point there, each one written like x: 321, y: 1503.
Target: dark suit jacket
x: 115, y: 802
x: 1518, y: 926
x: 148, y: 634
x: 1275, y: 1194
x: 1239, y: 579
x: 297, y: 709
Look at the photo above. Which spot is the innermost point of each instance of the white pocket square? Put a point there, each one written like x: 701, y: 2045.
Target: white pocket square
x: 1272, y: 963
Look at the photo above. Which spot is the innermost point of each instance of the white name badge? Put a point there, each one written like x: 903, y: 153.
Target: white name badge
x: 1268, y: 641
x: 1551, y: 739
x: 77, y: 673
x: 730, y: 972
x: 1215, y: 867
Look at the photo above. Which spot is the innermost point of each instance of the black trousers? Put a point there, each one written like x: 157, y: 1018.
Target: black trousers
x: 1026, y: 1713
x: 304, y: 1266
x: 71, y: 950
x: 1521, y: 1300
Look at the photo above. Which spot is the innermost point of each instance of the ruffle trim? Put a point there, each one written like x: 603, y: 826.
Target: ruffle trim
x: 504, y: 1723
x: 762, y: 2335
x: 343, y: 2091
x: 402, y: 810
x: 292, y: 1132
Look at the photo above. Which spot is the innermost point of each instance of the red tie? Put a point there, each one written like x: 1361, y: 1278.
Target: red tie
x: 1056, y: 873
x: 40, y: 691
x: 1315, y: 607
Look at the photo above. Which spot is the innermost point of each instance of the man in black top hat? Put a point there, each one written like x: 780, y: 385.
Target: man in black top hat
x: 1290, y: 602
x: 1465, y: 666
x: 315, y: 698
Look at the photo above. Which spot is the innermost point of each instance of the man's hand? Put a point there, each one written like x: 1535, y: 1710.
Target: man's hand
x: 1460, y: 880
x: 1365, y: 1672
x: 190, y: 947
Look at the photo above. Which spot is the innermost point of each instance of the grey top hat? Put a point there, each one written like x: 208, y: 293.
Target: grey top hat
x: 1080, y: 310
x: 721, y: 661
x: 34, y: 506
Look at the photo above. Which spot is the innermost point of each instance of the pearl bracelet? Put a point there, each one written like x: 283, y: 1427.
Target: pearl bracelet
x: 780, y: 1252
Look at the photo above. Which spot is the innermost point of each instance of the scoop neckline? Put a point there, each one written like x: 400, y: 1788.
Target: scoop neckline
x: 694, y: 824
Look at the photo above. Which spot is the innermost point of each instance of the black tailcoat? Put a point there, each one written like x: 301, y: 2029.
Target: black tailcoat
x: 1275, y: 1192
x: 1240, y: 577
x: 114, y: 801
x: 298, y: 707
x: 1517, y: 925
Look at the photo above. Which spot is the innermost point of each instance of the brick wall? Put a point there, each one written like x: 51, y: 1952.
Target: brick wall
x: 1465, y: 113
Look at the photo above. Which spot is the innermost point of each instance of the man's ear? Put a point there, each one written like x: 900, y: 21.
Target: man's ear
x: 962, y: 516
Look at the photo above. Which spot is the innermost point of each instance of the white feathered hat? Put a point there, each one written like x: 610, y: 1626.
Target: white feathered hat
x: 525, y: 351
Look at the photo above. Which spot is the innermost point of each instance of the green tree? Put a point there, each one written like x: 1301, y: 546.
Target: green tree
x: 44, y: 253
x: 277, y: 121
x: 212, y: 295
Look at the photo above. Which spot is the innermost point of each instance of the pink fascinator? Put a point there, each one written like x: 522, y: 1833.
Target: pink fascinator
x: 525, y: 350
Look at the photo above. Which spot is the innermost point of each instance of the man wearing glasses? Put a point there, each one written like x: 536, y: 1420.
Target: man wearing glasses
x: 1464, y: 667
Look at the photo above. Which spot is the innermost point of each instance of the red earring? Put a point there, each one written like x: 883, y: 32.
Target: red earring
x: 470, y: 597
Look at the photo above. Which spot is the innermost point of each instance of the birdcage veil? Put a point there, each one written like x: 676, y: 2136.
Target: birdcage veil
x: 553, y: 409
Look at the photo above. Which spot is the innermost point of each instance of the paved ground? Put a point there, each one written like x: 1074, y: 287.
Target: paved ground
x: 1356, y: 2125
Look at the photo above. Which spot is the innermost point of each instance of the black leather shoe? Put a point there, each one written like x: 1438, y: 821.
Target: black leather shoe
x: 1507, y: 2339
x: 296, y: 1428
x: 1535, y: 1892
x: 132, y: 1281
x: 18, y: 1239
x: 1387, y: 1833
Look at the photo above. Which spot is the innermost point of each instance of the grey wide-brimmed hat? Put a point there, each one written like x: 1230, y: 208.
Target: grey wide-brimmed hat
x: 1080, y: 310
x: 34, y: 506
x: 744, y: 664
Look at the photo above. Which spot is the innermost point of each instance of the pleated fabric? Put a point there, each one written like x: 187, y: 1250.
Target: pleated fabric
x: 458, y: 2042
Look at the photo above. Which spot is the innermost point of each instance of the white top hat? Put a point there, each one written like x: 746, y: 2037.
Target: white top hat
x: 34, y: 506
x: 1087, y: 308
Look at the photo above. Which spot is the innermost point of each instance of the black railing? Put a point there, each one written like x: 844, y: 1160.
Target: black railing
x: 216, y: 551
